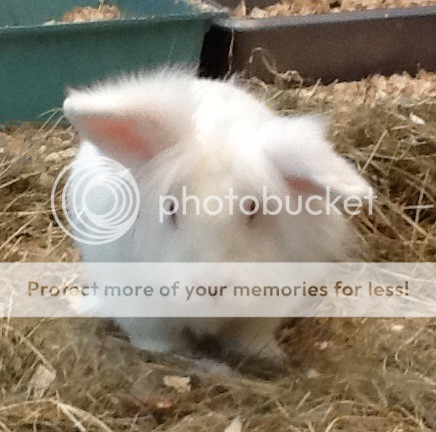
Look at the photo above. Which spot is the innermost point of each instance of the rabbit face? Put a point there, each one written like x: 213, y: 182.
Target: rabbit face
x: 198, y: 220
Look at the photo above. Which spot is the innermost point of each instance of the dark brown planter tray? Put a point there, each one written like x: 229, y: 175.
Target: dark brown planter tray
x: 342, y: 46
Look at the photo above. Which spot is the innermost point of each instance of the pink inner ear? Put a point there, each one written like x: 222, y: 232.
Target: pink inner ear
x: 302, y: 185
x: 116, y: 136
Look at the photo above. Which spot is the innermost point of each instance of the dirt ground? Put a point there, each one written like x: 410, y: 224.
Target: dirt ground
x: 343, y: 374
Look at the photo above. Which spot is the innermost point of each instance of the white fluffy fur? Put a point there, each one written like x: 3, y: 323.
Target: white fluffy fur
x: 209, y: 136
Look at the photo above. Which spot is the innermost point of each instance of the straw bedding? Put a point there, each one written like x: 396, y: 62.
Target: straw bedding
x: 343, y: 375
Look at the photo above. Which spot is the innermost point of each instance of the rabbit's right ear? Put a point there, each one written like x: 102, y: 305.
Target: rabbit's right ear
x: 132, y: 120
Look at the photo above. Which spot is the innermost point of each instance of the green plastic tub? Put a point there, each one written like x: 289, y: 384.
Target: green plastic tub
x: 38, y: 62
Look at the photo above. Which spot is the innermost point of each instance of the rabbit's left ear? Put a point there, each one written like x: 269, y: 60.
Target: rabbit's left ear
x: 298, y: 148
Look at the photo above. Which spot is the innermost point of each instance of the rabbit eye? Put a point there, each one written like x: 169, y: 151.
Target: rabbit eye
x: 173, y: 215
x: 253, y: 209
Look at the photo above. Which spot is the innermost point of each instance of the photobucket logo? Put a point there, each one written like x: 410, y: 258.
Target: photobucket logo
x: 269, y: 204
x: 100, y: 202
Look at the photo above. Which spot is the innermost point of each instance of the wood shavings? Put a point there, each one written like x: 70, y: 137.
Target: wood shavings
x: 240, y: 10
x: 178, y: 383
x: 63, y: 154
x: 234, y: 426
x: 313, y: 374
x: 258, y: 13
x: 307, y: 7
x: 88, y: 14
x: 41, y: 380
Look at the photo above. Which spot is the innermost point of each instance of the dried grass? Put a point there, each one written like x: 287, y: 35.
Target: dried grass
x: 31, y: 158
x: 344, y: 374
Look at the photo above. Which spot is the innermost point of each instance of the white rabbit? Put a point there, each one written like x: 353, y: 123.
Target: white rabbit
x: 172, y: 129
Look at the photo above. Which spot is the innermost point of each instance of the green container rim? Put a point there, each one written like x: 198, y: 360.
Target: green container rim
x: 198, y: 14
